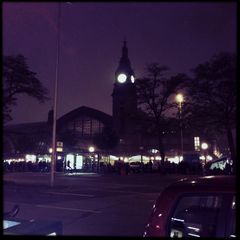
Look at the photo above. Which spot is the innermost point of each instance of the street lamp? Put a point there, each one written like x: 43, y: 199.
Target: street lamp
x: 204, y: 147
x: 91, y: 149
x: 179, y: 100
x: 53, y: 159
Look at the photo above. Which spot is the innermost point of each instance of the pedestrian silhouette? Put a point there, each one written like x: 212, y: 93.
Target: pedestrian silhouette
x: 69, y: 166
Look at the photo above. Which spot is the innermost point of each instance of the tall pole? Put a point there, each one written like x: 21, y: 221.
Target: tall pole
x: 180, y: 99
x: 181, y: 130
x: 53, y: 159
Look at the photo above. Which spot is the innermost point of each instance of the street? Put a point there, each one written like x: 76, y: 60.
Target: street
x: 87, y: 204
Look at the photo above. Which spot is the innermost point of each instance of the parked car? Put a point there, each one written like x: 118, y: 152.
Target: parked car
x: 195, y: 207
x: 221, y: 166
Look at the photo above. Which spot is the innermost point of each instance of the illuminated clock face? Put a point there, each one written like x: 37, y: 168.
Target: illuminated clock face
x: 132, y: 79
x: 122, y: 78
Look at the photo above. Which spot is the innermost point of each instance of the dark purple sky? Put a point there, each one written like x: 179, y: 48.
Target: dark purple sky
x: 179, y: 35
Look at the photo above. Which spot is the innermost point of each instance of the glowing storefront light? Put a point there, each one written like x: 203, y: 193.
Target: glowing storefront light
x: 31, y: 158
x: 79, y: 162
x: 70, y: 159
x: 59, y: 149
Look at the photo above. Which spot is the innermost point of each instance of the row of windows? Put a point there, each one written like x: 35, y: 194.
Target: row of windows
x: 86, y: 126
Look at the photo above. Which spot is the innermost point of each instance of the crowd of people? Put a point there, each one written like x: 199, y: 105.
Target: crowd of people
x: 29, y: 166
x: 119, y: 167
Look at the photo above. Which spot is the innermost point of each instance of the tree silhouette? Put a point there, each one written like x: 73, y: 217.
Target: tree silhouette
x: 212, y: 97
x: 154, y: 94
x: 18, y: 79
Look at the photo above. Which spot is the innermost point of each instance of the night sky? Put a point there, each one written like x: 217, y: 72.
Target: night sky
x: 178, y: 35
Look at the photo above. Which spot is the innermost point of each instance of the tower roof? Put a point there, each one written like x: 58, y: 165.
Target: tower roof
x: 125, y: 64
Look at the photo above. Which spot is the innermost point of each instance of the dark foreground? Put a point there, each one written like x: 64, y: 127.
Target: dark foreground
x: 88, y: 204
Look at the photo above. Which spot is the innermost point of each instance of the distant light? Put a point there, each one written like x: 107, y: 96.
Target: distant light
x: 132, y: 79
x: 177, y: 219
x: 59, y: 149
x: 153, y: 150
x: 91, y: 149
x: 209, y: 177
x: 204, y: 146
x: 179, y: 98
x: 197, y: 143
x: 209, y: 158
x: 193, y: 235
x: 193, y: 228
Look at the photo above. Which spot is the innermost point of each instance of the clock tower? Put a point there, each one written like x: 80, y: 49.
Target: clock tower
x: 124, y: 101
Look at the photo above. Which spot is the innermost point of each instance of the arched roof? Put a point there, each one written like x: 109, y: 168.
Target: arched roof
x: 85, y: 111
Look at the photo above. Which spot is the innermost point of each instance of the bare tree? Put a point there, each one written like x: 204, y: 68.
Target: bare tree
x: 155, y: 97
x: 212, y: 97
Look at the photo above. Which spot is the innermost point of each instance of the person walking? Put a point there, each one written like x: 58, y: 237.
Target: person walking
x: 69, y: 166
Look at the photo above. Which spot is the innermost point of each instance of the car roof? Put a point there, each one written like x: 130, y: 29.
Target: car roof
x: 225, y: 158
x: 206, y: 183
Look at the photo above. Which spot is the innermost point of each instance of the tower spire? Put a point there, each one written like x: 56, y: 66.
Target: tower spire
x: 125, y: 51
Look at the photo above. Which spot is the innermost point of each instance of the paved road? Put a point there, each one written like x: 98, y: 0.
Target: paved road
x: 89, y: 204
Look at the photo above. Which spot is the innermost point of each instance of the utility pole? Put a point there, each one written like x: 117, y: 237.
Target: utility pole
x: 54, y: 155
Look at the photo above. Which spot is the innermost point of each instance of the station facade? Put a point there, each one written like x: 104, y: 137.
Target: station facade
x: 77, y: 129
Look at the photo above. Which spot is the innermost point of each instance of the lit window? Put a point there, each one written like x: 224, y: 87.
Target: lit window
x: 197, y: 143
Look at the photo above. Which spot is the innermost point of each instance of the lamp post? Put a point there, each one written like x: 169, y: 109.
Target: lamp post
x: 91, y: 149
x: 53, y: 159
x: 179, y: 100
x: 204, y: 147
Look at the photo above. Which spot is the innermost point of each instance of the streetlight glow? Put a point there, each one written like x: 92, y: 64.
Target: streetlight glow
x: 204, y: 146
x: 179, y: 98
x: 91, y: 149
